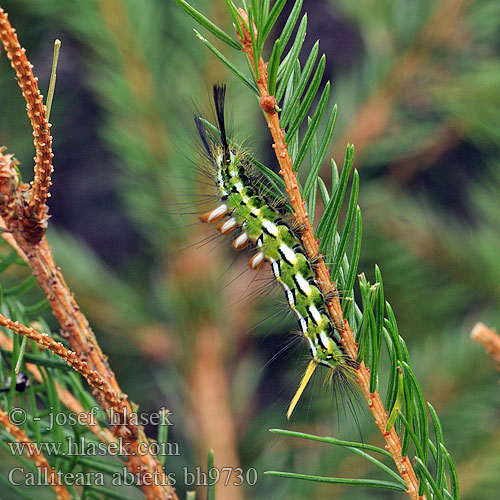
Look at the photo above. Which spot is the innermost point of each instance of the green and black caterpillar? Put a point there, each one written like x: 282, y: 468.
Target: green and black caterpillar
x: 263, y: 222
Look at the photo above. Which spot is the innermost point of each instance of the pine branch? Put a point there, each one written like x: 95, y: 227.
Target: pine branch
x: 26, y: 222
x: 269, y: 106
x: 209, y: 395
x: 75, y: 326
x: 126, y: 430
x: 488, y: 338
x: 114, y: 400
x: 34, y: 211
x: 35, y: 454
x: 66, y: 398
x: 73, y: 322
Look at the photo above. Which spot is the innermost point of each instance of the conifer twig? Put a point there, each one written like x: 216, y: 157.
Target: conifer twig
x: 489, y: 338
x: 209, y: 400
x: 24, y: 215
x: 269, y: 105
x: 35, y: 208
x: 32, y: 450
x: 66, y: 398
x: 132, y: 442
x: 114, y: 400
x: 213, y: 423
x: 76, y: 329
x: 74, y: 324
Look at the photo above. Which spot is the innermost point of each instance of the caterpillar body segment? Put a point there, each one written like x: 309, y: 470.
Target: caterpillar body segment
x: 265, y: 224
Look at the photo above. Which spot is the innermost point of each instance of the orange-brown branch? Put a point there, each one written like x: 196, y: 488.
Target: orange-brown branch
x: 64, y: 395
x: 24, y: 214
x: 209, y: 402
x: 33, y: 452
x: 129, y: 432
x: 35, y: 209
x: 489, y: 338
x: 114, y: 400
x: 268, y: 105
x: 24, y: 217
x: 74, y: 325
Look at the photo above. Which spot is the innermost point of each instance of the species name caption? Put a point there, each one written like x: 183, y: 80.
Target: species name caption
x: 81, y: 446
x: 248, y: 204
x: 226, y: 476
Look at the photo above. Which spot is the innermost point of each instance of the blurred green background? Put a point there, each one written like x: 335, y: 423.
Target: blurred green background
x: 185, y: 325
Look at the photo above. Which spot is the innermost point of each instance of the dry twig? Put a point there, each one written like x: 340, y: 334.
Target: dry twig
x: 131, y: 441
x: 34, y: 453
x: 76, y: 329
x: 114, y: 400
x: 64, y: 395
x: 24, y: 213
x: 34, y: 208
x: 269, y: 105
x: 488, y: 338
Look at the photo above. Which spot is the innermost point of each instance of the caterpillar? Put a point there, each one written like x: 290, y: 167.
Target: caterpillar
x: 262, y: 222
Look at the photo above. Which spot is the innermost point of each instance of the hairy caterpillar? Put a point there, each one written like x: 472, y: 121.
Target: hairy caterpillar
x: 263, y: 223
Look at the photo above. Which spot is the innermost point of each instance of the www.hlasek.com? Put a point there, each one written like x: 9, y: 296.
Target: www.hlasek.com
x: 234, y: 476
x: 82, y: 446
